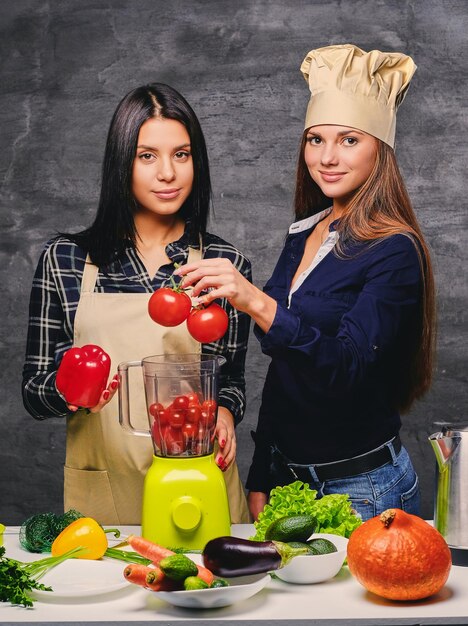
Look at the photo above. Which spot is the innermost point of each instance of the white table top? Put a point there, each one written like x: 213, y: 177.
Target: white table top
x: 338, y: 601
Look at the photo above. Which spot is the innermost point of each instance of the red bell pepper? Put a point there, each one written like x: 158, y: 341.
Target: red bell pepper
x: 82, y: 375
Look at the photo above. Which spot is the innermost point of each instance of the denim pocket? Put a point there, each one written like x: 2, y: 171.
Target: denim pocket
x: 410, y: 500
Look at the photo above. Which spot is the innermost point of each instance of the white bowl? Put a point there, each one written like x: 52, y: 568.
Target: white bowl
x: 315, y: 568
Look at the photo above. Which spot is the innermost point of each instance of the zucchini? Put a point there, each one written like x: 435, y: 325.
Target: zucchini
x: 232, y: 556
x: 294, y: 528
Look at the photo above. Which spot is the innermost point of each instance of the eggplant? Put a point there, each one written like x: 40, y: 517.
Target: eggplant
x: 232, y: 556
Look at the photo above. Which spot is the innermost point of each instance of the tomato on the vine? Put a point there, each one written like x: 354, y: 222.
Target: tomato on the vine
x: 208, y: 324
x: 169, y: 307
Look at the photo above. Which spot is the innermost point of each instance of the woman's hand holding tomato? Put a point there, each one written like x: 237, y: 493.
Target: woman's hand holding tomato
x: 223, y: 280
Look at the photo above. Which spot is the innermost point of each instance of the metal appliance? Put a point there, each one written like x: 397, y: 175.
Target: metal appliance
x: 450, y: 446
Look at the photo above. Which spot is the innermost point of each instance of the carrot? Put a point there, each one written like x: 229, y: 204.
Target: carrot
x: 148, y: 549
x: 157, y: 581
x: 154, y: 579
x: 205, y: 574
x: 136, y: 573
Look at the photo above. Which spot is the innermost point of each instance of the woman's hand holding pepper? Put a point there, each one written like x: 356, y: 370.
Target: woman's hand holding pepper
x: 224, y: 281
x: 105, y: 398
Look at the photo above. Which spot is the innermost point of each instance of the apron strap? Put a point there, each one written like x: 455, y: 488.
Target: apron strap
x: 90, y: 272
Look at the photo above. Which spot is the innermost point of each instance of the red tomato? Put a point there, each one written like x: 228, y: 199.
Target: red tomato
x: 169, y: 307
x: 193, y: 414
x: 210, y: 405
x: 174, y: 441
x: 189, y: 431
x: 160, y: 414
x: 207, y: 418
x: 193, y: 399
x: 158, y: 434
x: 208, y: 324
x: 155, y: 408
x: 176, y: 418
x: 181, y: 403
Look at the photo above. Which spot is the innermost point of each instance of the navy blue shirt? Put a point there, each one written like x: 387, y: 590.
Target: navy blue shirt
x: 338, y: 345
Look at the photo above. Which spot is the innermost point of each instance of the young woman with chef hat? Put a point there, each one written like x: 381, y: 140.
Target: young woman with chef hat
x: 347, y: 317
x: 93, y: 288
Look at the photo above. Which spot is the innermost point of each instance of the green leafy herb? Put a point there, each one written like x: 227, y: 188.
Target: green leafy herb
x: 38, y: 532
x: 332, y: 512
x: 17, y: 578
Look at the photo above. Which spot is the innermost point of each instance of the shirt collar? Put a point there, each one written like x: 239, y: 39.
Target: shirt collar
x: 308, y: 222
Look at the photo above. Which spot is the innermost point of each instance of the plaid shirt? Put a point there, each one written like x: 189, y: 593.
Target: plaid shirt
x: 54, y: 299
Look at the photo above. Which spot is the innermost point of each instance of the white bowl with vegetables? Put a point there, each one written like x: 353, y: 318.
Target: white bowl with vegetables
x: 315, y: 567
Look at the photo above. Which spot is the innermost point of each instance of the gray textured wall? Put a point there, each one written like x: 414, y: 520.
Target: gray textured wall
x: 65, y: 65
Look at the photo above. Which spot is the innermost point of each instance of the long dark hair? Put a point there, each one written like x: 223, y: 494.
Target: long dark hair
x: 114, y: 227
x: 381, y: 207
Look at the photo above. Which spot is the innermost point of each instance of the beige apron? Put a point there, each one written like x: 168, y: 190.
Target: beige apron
x: 105, y: 465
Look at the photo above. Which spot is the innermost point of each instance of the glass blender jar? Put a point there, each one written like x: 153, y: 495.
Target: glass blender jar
x: 185, y: 500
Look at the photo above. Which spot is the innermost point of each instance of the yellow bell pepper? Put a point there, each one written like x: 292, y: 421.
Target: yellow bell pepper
x: 86, y: 533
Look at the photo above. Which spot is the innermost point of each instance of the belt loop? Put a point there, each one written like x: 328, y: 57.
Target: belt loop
x: 389, y: 445
x: 313, y: 473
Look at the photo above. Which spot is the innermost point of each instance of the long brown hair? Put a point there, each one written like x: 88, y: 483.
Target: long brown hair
x: 378, y: 209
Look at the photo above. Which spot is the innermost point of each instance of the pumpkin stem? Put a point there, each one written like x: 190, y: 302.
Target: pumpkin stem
x: 387, y: 517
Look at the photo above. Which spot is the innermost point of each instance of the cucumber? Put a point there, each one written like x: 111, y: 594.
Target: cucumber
x: 178, y: 567
x: 194, y: 582
x: 295, y: 528
x: 322, y: 545
x: 219, y: 582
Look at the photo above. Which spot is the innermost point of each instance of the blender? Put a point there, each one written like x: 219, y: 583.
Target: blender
x: 185, y: 501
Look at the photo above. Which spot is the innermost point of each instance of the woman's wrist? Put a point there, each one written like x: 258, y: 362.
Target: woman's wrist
x: 262, y: 309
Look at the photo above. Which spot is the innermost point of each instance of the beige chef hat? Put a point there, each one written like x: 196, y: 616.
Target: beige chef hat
x: 351, y: 87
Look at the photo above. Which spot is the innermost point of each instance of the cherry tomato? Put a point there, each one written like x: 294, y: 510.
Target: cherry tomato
x: 208, y: 324
x: 193, y: 399
x: 155, y: 408
x: 176, y: 418
x: 193, y: 414
x: 181, y: 403
x: 207, y: 418
x: 210, y: 405
x: 160, y: 414
x: 189, y: 431
x: 158, y: 434
x: 169, y: 307
x: 174, y: 441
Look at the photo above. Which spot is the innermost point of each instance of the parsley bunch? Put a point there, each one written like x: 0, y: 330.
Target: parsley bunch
x: 17, y: 578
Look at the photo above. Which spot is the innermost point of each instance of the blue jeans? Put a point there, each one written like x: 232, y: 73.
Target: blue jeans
x: 393, y: 485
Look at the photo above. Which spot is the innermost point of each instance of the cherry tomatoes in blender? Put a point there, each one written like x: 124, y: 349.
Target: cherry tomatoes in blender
x: 174, y: 441
x: 193, y: 414
x: 169, y: 307
x: 181, y: 403
x: 189, y: 431
x: 193, y: 399
x: 176, y: 418
x: 155, y: 408
x: 208, y: 324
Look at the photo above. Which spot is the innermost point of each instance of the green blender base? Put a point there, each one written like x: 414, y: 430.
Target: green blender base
x: 185, y: 502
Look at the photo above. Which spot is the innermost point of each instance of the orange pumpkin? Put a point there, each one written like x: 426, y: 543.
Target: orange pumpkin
x: 399, y: 556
